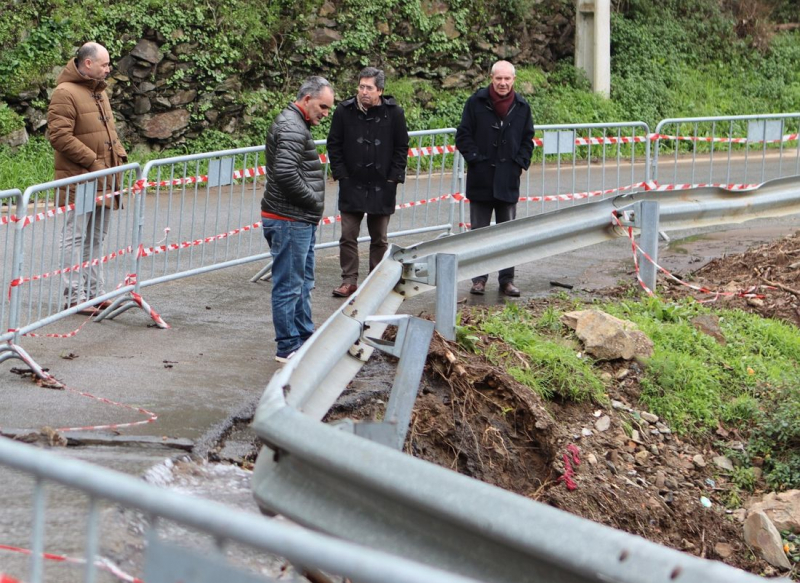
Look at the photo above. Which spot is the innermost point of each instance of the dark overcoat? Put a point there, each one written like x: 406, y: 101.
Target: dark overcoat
x: 496, y: 151
x: 368, y: 152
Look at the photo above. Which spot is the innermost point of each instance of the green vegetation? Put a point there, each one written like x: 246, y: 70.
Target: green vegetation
x: 676, y: 58
x: 10, y: 120
x: 692, y: 381
x: 548, y: 365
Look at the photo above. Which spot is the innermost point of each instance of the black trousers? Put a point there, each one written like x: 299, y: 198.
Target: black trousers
x: 480, y: 215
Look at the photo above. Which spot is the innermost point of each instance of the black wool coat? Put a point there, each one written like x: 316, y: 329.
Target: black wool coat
x: 496, y: 151
x: 368, y: 153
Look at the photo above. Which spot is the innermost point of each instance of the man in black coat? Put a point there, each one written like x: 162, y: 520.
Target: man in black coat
x: 368, y: 150
x: 496, y: 139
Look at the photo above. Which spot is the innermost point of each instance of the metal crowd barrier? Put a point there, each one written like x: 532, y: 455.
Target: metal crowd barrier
x: 165, y: 559
x: 69, y: 236
x: 739, y: 150
x: 341, y: 480
x: 10, y: 205
x: 576, y: 163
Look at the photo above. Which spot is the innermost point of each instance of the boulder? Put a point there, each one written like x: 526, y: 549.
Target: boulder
x: 163, y: 125
x: 141, y: 105
x: 606, y: 337
x: 147, y: 50
x: 783, y: 509
x: 15, y: 139
x: 709, y: 324
x: 761, y: 535
x: 322, y: 37
x: 183, y: 97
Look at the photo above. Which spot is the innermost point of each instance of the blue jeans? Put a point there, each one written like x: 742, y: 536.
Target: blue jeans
x: 291, y: 245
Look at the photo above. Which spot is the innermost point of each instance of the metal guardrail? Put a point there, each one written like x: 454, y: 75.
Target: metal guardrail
x: 311, y: 472
x: 163, y: 561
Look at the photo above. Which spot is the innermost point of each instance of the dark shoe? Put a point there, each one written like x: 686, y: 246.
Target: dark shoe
x: 345, y: 290
x: 510, y: 289
x: 478, y: 288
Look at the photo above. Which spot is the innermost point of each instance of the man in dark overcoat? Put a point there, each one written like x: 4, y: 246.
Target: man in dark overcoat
x: 368, y: 150
x: 495, y: 137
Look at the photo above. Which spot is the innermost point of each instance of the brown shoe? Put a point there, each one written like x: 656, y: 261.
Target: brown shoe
x: 510, y: 289
x: 87, y: 311
x: 345, y: 290
x: 478, y: 288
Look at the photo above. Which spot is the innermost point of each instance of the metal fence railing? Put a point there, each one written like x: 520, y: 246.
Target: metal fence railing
x: 168, y: 519
x: 738, y: 151
x: 74, y: 243
x: 10, y: 204
x: 576, y: 163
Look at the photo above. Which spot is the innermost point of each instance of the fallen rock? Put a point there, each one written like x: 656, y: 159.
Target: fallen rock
x: 723, y: 462
x: 782, y: 509
x: 603, y: 423
x: 709, y: 324
x: 649, y: 417
x: 761, y: 535
x: 699, y: 461
x: 724, y: 550
x: 606, y: 337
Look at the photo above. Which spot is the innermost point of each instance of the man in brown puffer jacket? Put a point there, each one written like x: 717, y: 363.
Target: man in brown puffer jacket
x: 82, y: 133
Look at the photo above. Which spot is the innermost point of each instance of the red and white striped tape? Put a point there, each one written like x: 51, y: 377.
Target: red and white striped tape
x: 101, y: 563
x: 455, y: 196
x: 605, y: 140
x: 748, y: 293
x: 709, y: 139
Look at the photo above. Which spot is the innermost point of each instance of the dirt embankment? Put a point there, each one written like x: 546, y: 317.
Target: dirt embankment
x: 618, y: 464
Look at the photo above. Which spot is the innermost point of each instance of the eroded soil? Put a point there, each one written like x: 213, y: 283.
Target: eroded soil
x: 474, y: 418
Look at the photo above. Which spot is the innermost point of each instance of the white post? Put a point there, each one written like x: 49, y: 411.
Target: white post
x: 593, y: 42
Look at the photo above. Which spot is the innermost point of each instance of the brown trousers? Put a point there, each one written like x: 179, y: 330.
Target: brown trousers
x: 378, y: 227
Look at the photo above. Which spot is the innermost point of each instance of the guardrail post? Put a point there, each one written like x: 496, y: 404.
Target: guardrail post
x: 647, y: 221
x: 414, y: 349
x: 446, y: 294
x: 411, y: 346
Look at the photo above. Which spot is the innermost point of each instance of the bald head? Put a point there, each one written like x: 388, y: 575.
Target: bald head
x: 93, y: 61
x: 503, y: 75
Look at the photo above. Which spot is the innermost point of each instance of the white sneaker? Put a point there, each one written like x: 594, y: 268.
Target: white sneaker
x: 285, y: 359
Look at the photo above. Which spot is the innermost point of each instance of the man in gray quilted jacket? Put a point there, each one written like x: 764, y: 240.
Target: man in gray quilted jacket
x: 291, y: 209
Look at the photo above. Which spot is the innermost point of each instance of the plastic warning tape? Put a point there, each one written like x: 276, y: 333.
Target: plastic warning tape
x: 606, y: 140
x: 748, y: 293
x: 147, y: 252
x: 101, y: 563
x: 457, y: 196
x: 785, y: 138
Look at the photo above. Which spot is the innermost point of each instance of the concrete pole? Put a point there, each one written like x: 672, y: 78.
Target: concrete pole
x: 593, y: 42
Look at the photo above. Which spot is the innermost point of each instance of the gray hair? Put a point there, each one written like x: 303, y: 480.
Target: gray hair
x: 497, y: 65
x: 373, y: 73
x: 87, y: 51
x: 313, y: 86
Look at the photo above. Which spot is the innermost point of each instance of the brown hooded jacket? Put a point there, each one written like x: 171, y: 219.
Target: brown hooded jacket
x: 81, y: 130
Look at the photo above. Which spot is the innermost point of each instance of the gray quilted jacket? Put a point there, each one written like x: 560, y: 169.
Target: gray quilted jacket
x: 295, y: 181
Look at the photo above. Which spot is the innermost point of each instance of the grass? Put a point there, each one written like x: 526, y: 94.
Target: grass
x: 693, y: 382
